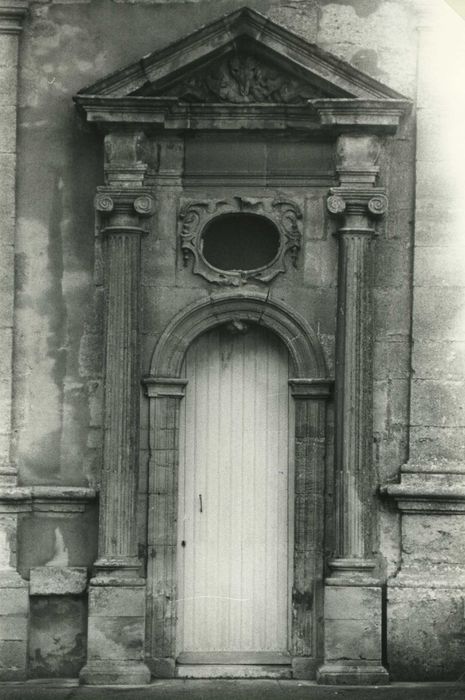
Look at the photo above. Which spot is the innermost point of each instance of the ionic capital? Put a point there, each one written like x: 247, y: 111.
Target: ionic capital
x: 122, y: 209
x: 370, y: 202
x: 108, y: 201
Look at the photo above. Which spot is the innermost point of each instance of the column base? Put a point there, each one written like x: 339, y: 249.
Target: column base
x: 108, y: 672
x: 116, y: 633
x: 351, y: 673
x: 353, y: 633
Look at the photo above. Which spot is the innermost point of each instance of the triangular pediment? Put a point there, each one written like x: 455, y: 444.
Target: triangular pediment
x: 243, y: 57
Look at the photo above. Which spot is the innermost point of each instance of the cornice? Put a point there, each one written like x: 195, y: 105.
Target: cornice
x: 12, y: 15
x: 169, y: 113
x: 44, y: 498
x: 430, y: 488
x: 378, y: 115
x: 160, y: 67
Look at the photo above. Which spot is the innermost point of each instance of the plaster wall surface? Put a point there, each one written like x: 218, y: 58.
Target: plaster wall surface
x: 58, y: 304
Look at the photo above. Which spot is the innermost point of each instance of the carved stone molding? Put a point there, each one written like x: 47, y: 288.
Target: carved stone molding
x: 244, y: 77
x: 253, y: 307
x: 284, y: 213
x: 379, y: 116
x: 12, y: 16
x: 436, y: 487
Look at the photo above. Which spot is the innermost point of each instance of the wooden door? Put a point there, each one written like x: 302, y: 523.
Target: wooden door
x: 234, y: 521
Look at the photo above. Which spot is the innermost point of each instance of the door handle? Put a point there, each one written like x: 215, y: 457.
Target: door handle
x: 200, y: 502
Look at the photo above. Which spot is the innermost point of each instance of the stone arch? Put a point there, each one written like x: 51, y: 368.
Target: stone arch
x: 300, y: 339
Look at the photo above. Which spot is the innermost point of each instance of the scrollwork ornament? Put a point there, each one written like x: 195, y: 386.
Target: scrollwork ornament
x: 144, y: 205
x: 335, y: 204
x: 194, y: 216
x: 104, y: 203
x: 377, y: 205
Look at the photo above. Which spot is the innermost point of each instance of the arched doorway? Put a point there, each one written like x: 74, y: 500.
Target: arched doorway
x: 209, y: 361
x: 235, y: 524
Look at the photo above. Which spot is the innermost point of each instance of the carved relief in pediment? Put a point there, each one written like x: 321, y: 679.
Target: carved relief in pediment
x: 242, y: 78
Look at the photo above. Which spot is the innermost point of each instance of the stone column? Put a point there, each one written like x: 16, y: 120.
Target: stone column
x: 14, y: 599
x: 353, y: 592
x: 117, y: 592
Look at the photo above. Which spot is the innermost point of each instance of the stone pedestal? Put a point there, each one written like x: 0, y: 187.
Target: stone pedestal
x: 352, y: 636
x: 115, y: 647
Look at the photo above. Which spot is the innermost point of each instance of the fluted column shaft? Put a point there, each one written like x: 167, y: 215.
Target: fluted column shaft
x: 353, y: 394
x: 122, y: 233
x: 357, y: 202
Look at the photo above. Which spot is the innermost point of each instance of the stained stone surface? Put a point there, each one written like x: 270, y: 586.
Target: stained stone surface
x: 57, y: 284
x: 57, y: 638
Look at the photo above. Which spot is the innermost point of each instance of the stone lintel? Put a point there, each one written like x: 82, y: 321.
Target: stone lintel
x: 372, y: 115
x: 158, y: 387
x: 169, y: 114
x: 12, y: 15
x: 57, y: 580
x: 311, y: 388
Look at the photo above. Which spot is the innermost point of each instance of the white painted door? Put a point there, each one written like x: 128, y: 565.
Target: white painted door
x: 234, y: 525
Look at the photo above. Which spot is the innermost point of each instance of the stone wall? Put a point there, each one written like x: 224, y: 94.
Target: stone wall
x: 56, y: 435
x: 426, y: 632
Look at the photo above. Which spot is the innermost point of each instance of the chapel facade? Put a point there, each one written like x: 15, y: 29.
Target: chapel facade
x: 233, y: 327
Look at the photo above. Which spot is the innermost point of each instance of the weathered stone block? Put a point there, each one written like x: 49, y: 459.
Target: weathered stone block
x: 8, y: 130
x: 12, y: 660
x: 352, y: 639
x: 47, y: 580
x: 106, y: 601
x: 391, y: 312
x: 439, y: 266
x: 315, y: 223
x: 438, y: 403
x: 437, y: 359
x: 352, y: 602
x: 447, y: 442
x: 352, y: 624
x: 429, y: 319
x: 391, y: 359
x: 393, y: 265
x: 431, y: 539
x: 111, y: 638
x: 57, y: 639
x: 426, y: 638
x: 13, y: 627
x: 14, y: 601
